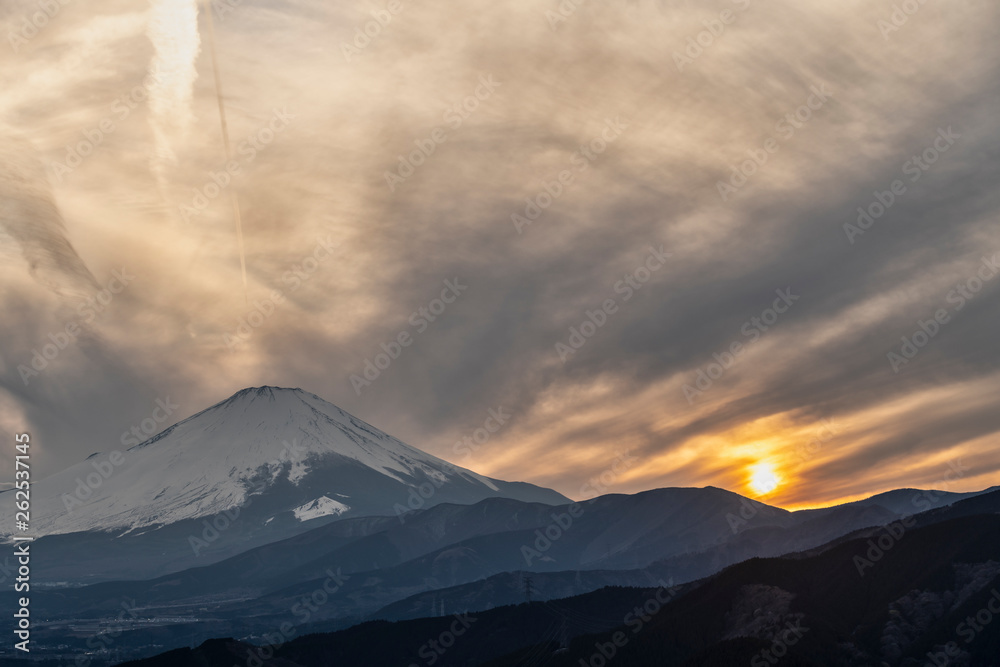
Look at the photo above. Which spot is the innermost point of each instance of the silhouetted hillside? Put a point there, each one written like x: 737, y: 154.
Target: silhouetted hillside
x: 885, y: 599
x: 851, y: 607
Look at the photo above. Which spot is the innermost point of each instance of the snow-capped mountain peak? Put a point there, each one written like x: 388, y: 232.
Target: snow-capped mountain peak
x: 284, y: 451
x: 268, y: 426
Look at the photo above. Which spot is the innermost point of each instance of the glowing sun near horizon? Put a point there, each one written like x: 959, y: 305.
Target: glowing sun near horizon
x: 764, y: 479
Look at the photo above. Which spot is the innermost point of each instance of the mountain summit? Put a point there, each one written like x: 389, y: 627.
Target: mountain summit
x: 274, y: 457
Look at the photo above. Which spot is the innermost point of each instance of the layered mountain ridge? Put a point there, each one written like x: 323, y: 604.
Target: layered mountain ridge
x: 265, y: 464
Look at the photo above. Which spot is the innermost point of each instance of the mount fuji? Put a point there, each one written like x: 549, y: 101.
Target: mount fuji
x: 263, y: 465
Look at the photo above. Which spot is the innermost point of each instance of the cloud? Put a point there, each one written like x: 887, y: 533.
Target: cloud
x: 656, y: 184
x: 173, y: 30
x: 31, y: 221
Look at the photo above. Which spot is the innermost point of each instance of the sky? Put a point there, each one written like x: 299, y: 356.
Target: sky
x: 633, y: 227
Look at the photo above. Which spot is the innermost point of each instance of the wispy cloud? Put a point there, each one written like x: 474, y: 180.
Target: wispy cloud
x: 173, y: 30
x: 656, y: 184
x: 31, y: 222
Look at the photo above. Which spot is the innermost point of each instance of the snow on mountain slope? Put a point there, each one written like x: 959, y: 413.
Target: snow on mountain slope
x: 286, y: 450
x: 322, y: 506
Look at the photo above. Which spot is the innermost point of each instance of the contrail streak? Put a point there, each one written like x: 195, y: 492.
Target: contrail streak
x: 228, y: 147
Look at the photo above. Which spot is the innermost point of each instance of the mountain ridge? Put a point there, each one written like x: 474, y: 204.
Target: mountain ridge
x: 264, y: 464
